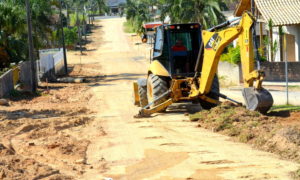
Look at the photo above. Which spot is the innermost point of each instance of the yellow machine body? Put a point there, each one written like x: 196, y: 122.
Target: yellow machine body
x: 214, y: 45
x: 158, y: 69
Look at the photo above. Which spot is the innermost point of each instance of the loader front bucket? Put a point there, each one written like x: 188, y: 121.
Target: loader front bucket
x: 258, y: 100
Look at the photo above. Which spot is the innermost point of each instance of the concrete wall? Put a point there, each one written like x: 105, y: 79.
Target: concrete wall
x: 229, y: 74
x: 275, y: 71
x: 25, y: 75
x: 51, y: 64
x: 59, y: 63
x: 6, y: 83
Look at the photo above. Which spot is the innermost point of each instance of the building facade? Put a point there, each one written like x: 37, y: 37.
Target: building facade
x: 279, y: 22
x: 116, y: 6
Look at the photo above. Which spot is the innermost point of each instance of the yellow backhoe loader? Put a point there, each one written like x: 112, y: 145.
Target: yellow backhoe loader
x: 184, y: 67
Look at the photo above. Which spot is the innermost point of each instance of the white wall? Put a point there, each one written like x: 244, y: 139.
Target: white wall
x: 293, y: 30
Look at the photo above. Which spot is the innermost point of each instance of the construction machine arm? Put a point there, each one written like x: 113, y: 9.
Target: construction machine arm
x: 214, y: 44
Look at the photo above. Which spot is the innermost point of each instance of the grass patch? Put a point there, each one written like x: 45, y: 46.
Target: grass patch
x: 196, y: 117
x: 285, y: 108
x: 128, y: 28
x: 296, y: 174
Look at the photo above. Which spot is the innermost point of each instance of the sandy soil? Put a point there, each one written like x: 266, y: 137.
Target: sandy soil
x: 87, y: 131
x: 277, y: 132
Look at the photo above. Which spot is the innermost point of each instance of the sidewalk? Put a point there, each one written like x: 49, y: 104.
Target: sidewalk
x: 269, y: 83
x: 278, y: 96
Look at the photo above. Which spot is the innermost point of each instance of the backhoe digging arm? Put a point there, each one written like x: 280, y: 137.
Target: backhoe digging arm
x: 256, y: 98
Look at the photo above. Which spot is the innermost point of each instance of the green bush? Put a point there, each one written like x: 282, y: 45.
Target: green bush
x: 71, y: 36
x: 74, y: 19
x: 233, y: 55
x: 128, y: 28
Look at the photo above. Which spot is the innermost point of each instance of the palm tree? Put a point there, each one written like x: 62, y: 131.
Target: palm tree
x: 137, y: 13
x: 206, y: 12
x: 12, y: 25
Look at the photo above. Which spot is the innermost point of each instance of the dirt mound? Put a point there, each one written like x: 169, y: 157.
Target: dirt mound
x: 4, y: 151
x: 267, y: 132
x: 14, y: 166
x: 43, y: 135
x: 14, y: 169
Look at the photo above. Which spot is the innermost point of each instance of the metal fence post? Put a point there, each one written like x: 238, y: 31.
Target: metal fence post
x: 286, y: 72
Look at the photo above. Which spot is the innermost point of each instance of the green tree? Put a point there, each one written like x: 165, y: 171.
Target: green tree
x: 206, y: 12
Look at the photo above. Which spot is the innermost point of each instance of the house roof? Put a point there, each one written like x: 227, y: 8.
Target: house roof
x: 115, y: 3
x: 282, y: 12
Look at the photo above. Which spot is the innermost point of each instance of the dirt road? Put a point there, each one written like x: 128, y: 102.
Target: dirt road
x: 87, y: 131
x: 166, y: 146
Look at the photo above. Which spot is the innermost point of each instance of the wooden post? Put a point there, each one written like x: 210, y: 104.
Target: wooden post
x: 261, y: 39
x: 270, y: 24
x: 281, y: 42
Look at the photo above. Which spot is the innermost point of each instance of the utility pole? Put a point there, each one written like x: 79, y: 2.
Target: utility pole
x: 30, y: 42
x: 63, y: 38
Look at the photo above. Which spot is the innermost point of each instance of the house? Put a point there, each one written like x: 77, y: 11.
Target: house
x: 278, y: 22
x: 116, y: 6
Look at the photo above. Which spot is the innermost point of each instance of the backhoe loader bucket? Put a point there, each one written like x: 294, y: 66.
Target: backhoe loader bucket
x: 258, y: 100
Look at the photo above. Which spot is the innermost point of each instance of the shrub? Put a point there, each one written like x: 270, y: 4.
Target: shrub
x: 71, y: 36
x: 74, y: 19
x: 233, y: 55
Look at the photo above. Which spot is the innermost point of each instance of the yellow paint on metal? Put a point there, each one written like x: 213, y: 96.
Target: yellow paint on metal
x: 218, y: 41
x: 158, y: 69
x: 246, y: 47
x: 214, y: 44
x: 16, y: 75
x: 136, y: 94
x: 208, y: 99
x: 158, y: 108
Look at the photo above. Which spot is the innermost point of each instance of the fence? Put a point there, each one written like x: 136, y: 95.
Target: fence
x: 6, y: 83
x: 231, y: 74
x: 49, y: 66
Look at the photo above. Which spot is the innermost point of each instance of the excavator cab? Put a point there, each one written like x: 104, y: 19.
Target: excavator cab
x: 176, y: 48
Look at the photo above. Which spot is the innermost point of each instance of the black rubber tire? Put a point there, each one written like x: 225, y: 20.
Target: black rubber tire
x: 214, y: 88
x: 143, y: 96
x: 156, y: 86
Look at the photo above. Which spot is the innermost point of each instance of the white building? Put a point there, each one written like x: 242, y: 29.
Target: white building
x: 283, y: 13
x: 115, y: 5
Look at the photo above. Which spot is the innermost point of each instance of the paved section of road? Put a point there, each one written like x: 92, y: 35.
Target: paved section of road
x: 166, y: 146
x: 280, y: 97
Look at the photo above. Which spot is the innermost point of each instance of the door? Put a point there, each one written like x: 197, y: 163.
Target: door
x: 290, y: 52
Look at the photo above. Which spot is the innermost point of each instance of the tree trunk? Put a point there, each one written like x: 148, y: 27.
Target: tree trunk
x: 271, y: 43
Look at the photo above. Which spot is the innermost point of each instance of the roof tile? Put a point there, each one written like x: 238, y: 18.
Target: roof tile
x: 282, y: 12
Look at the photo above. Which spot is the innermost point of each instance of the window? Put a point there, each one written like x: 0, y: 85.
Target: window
x: 158, y: 46
x: 185, y: 37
